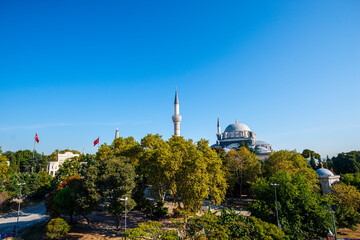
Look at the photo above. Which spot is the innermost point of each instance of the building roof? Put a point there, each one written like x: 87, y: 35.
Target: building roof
x: 324, y: 172
x: 236, y: 127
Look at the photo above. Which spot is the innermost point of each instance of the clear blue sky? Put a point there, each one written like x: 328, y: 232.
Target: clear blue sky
x: 75, y: 70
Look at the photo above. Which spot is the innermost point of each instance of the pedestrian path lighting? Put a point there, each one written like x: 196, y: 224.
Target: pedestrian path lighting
x: 332, y: 213
x: 277, y: 213
x: 125, y: 200
x: 17, y: 222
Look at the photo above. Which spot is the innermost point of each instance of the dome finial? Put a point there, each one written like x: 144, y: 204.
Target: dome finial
x: 236, y: 120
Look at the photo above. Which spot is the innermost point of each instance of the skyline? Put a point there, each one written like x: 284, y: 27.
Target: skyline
x: 75, y: 71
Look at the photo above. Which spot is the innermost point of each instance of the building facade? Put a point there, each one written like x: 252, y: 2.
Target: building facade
x: 53, y: 167
x: 237, y: 132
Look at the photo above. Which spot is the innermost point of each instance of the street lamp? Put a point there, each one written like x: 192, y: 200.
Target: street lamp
x: 125, y: 200
x: 17, y: 222
x: 332, y: 213
x: 277, y: 213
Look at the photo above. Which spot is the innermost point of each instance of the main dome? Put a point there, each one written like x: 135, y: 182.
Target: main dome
x: 324, y: 172
x: 237, y: 127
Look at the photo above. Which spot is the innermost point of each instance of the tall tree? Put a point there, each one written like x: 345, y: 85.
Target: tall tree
x: 114, y: 180
x: 302, y: 211
x: 292, y: 162
x: 245, y: 166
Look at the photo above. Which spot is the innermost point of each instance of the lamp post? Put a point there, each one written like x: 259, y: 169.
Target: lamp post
x: 332, y: 213
x: 277, y: 213
x: 17, y: 222
x: 125, y: 200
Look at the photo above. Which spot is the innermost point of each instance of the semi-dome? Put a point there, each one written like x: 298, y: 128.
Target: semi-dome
x: 324, y: 172
x: 236, y: 127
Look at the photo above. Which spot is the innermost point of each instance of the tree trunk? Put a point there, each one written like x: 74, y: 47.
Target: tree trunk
x: 117, y: 221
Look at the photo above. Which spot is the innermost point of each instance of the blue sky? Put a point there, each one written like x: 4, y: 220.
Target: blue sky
x: 73, y: 71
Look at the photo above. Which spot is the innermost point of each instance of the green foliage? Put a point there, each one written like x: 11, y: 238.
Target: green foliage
x: 160, y: 211
x: 70, y: 167
x: 114, y: 179
x: 302, y: 211
x: 351, y: 179
x: 127, y: 147
x: 228, y: 225
x: 64, y: 201
x: 347, y: 162
x: 151, y: 230
x: 36, y: 184
x: 291, y: 162
x: 244, y: 168
x: 346, y: 198
x: 23, y: 161
x: 57, y: 228
x: 190, y: 173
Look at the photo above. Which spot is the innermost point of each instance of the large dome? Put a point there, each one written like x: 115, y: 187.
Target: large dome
x: 236, y: 127
x: 324, y: 172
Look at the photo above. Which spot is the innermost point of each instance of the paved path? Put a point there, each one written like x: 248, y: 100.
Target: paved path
x: 28, y: 217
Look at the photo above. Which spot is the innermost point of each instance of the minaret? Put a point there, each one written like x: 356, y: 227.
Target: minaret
x: 218, y: 135
x: 117, y: 133
x: 218, y: 127
x: 176, y: 117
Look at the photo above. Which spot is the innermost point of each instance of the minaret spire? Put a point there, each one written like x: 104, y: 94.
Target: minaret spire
x: 176, y: 117
x: 218, y: 126
x: 117, y: 133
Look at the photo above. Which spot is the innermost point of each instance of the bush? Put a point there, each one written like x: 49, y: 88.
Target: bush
x: 57, y: 228
x: 160, y: 211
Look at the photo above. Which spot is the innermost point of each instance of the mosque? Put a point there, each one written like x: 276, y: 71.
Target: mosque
x: 233, y: 135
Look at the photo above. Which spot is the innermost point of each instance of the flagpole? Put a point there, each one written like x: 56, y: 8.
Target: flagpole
x: 32, y: 168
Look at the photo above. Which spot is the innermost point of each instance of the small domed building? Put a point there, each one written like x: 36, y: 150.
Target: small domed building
x: 236, y: 133
x: 327, y: 178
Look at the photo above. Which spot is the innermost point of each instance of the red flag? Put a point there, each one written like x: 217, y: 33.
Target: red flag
x: 96, y: 141
x: 36, y: 138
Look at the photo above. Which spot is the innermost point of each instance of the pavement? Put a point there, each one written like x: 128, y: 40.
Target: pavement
x: 28, y: 217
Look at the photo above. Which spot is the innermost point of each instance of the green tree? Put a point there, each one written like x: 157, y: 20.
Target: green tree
x: 351, y: 179
x: 302, y: 211
x: 157, y: 165
x: 244, y: 166
x: 291, y: 162
x: 347, y: 162
x: 57, y: 228
x: 70, y: 167
x: 191, y: 183
x: 64, y: 202
x: 114, y: 180
x: 346, y: 198
x: 151, y: 230
x: 127, y: 147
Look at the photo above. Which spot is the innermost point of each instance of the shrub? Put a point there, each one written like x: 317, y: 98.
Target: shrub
x: 57, y: 228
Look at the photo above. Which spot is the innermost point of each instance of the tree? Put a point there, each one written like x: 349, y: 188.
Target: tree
x: 346, y: 198
x: 302, y: 211
x: 347, y: 162
x: 64, y: 202
x: 57, y: 228
x: 245, y: 167
x: 70, y: 167
x: 104, y: 152
x: 229, y: 225
x: 127, y: 147
x: 151, y: 230
x: 291, y: 162
x: 70, y: 182
x: 191, y: 183
x: 351, y: 179
x: 114, y: 179
x: 157, y: 165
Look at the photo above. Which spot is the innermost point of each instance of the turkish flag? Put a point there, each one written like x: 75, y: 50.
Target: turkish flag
x: 36, y: 138
x: 96, y: 141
